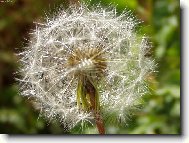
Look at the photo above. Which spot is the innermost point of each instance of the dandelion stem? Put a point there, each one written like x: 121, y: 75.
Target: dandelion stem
x: 94, y: 100
x: 87, y: 95
x: 99, y: 123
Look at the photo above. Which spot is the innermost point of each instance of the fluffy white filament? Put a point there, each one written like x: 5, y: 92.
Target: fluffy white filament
x: 51, y: 86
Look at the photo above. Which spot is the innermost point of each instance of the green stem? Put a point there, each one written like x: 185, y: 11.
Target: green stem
x: 87, y: 95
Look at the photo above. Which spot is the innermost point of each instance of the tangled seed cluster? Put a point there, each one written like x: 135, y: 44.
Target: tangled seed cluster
x: 91, y: 42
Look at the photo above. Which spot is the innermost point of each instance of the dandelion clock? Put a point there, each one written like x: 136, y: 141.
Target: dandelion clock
x: 85, y: 65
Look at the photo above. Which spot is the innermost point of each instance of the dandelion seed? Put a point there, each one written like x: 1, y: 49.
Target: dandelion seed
x: 86, y: 64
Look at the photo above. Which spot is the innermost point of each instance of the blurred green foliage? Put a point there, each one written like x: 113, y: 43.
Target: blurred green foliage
x: 160, y: 113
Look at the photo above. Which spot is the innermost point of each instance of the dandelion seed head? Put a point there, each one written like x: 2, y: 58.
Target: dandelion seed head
x: 95, y: 42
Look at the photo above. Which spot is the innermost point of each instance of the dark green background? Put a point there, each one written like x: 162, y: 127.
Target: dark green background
x: 160, y: 113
